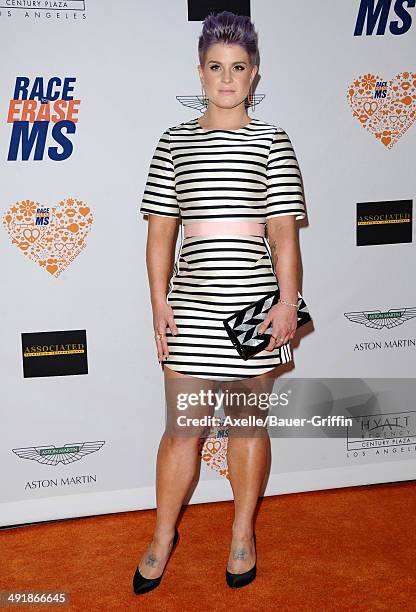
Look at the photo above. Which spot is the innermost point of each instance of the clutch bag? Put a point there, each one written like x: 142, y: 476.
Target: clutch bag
x: 242, y: 326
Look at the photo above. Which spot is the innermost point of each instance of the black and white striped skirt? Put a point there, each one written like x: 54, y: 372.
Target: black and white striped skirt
x: 215, y: 275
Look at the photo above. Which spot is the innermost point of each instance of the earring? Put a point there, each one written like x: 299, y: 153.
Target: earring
x: 251, y: 98
x: 204, y: 99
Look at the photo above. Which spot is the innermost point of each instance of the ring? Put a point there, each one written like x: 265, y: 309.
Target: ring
x: 159, y: 336
x: 274, y: 338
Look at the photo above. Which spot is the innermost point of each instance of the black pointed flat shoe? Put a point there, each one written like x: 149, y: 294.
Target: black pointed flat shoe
x: 239, y: 580
x: 142, y: 584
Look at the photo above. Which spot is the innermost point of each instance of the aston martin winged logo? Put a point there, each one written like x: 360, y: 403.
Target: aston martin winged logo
x: 52, y: 455
x: 197, y: 102
x: 378, y: 319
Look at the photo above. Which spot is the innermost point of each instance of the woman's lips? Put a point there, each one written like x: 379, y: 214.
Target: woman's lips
x: 227, y: 91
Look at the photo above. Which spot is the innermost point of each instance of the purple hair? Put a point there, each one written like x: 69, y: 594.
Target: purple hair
x: 227, y: 27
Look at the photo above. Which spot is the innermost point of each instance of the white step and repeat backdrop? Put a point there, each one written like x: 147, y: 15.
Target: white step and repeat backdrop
x: 86, y: 89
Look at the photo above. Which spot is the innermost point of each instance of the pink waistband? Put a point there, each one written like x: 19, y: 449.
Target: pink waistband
x: 205, y: 228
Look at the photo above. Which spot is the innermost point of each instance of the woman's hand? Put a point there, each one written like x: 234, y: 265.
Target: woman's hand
x: 284, y: 320
x: 163, y: 317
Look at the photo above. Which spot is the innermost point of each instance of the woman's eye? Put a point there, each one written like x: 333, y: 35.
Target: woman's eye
x: 239, y: 67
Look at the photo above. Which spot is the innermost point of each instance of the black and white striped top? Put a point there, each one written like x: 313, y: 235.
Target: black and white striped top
x: 246, y: 174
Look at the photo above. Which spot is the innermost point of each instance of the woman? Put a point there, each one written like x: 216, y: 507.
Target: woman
x: 230, y: 179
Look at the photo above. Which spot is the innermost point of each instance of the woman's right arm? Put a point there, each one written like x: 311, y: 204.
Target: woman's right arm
x: 160, y: 256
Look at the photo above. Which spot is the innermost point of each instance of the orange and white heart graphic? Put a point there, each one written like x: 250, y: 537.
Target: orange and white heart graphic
x: 51, y: 236
x: 214, y: 450
x: 386, y: 109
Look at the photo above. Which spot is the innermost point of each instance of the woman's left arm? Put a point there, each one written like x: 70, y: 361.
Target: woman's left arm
x: 283, y: 237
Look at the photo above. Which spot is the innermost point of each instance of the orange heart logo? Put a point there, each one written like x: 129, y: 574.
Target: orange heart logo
x: 386, y: 109
x: 51, y: 236
x: 213, y: 450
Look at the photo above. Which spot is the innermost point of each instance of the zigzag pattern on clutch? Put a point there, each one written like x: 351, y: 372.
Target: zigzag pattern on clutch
x: 242, y: 326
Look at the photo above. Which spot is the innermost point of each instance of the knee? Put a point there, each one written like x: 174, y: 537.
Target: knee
x: 181, y: 442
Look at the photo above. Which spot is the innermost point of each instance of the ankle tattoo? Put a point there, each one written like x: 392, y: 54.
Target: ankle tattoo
x: 151, y: 560
x: 240, y: 554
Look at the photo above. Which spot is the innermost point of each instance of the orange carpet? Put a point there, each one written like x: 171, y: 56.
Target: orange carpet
x: 343, y: 549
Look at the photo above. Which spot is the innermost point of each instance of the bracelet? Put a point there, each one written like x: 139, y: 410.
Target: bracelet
x: 288, y: 303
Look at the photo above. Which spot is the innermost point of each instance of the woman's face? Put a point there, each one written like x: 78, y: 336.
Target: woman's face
x: 227, y: 74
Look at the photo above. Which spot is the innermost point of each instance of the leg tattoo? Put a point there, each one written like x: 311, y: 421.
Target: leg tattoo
x: 151, y: 560
x: 240, y: 553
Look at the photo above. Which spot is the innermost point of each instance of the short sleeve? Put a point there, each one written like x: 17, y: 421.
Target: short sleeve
x: 284, y: 184
x: 159, y: 197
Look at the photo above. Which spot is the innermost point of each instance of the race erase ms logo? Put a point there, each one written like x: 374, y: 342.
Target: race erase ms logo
x: 384, y: 107
x: 43, y: 115
x: 51, y: 235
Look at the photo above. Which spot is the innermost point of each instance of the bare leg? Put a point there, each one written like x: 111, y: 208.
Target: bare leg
x: 177, y: 462
x: 247, y: 458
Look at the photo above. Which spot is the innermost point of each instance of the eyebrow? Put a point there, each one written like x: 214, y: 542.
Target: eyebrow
x: 216, y: 62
